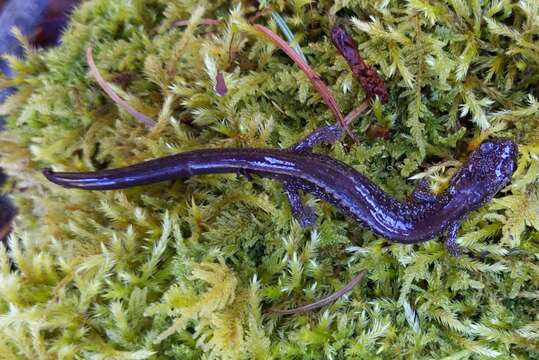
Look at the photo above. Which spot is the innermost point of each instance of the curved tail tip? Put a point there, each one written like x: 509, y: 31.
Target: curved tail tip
x: 50, y: 175
x: 48, y: 172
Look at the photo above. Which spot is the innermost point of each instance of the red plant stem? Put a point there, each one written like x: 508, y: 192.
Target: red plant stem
x: 325, y: 300
x: 318, y: 84
x: 149, y: 122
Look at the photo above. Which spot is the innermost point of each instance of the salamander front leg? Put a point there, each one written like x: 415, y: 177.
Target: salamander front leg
x: 328, y: 134
x: 304, y: 214
x: 422, y: 192
x: 244, y: 173
x: 451, y: 241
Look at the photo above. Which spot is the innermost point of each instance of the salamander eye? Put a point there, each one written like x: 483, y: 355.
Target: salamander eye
x: 487, y: 146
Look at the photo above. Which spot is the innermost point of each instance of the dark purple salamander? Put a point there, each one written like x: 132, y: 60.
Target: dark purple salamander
x: 488, y: 169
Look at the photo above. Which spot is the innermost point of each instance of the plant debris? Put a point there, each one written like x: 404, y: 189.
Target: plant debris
x: 367, y: 75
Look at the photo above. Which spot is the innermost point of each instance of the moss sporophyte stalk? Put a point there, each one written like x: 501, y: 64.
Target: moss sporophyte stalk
x: 202, y: 267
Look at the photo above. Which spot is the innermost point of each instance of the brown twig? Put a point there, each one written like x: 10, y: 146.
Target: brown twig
x: 367, y: 75
x: 325, y: 300
x: 318, y: 84
x: 352, y: 115
x: 180, y: 23
x: 149, y: 122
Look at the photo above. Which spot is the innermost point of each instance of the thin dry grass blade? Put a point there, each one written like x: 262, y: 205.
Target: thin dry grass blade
x: 149, y: 122
x: 325, y: 300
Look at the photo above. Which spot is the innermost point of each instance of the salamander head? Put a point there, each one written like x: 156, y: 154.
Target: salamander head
x: 488, y: 169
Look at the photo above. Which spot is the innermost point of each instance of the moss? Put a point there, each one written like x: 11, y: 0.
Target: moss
x: 187, y: 269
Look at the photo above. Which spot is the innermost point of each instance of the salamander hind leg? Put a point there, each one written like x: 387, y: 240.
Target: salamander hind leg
x: 304, y: 214
x: 451, y: 242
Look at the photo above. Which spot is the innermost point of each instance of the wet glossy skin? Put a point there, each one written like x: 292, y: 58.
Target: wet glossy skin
x: 488, y: 169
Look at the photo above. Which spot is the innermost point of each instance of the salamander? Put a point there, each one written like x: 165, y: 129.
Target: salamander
x: 487, y: 170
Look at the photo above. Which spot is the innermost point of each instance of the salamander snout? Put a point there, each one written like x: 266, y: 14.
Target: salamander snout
x: 500, y: 156
x: 494, y: 163
x: 488, y: 170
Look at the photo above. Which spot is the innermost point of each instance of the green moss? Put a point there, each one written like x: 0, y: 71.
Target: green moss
x: 187, y: 269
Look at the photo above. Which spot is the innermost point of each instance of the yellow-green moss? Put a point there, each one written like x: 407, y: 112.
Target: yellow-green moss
x: 186, y: 269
